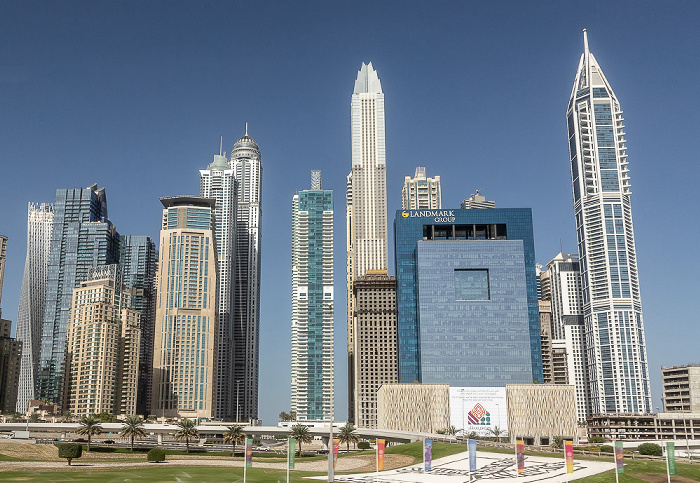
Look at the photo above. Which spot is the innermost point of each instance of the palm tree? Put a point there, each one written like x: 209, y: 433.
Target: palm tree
x: 301, y: 434
x: 347, y: 436
x: 233, y: 436
x: 89, y: 426
x: 132, y: 428
x: 497, y: 433
x: 187, y: 430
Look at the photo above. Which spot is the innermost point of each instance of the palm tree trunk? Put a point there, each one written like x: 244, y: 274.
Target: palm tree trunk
x: 187, y: 443
x: 89, y: 438
x: 132, y: 443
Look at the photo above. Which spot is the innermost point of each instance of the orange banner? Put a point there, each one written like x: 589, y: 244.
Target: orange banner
x: 380, y: 454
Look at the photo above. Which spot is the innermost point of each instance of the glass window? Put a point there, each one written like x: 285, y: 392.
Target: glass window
x: 472, y: 284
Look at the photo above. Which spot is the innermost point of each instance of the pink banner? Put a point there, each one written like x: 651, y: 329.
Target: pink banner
x: 569, y: 452
x: 520, y: 454
x: 336, y: 444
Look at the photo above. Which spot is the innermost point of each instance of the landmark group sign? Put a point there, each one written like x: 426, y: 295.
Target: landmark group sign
x: 440, y: 216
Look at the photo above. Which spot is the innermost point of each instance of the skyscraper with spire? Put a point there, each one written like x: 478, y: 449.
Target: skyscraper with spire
x: 612, y: 308
x: 245, y: 162
x: 366, y: 196
x: 217, y: 181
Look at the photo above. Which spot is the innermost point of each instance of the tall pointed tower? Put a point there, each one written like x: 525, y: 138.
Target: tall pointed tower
x: 366, y: 195
x: 612, y: 307
x: 245, y: 162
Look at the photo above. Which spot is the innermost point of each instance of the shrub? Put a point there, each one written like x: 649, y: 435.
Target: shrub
x: 596, y: 440
x: 156, y: 455
x: 606, y: 448
x: 363, y: 445
x: 650, y: 449
x: 70, y: 451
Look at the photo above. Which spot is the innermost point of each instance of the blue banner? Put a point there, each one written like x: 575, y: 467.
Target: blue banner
x: 471, y: 444
x: 428, y: 454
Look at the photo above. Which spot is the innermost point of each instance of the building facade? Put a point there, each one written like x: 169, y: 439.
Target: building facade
x: 539, y: 412
x: 477, y: 201
x: 82, y: 237
x: 612, y: 307
x: 102, y: 346
x: 3, y: 256
x: 467, y: 297
x: 10, y: 360
x: 367, y: 248
x: 245, y: 161
x: 218, y: 181
x: 186, y: 328
x: 418, y: 408
x: 139, y: 261
x: 681, y: 388
x: 32, y: 298
x: 312, y: 303
x: 376, y: 357
x: 546, y: 342
x: 420, y: 192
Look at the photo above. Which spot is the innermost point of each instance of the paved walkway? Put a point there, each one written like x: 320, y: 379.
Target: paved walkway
x: 490, y: 466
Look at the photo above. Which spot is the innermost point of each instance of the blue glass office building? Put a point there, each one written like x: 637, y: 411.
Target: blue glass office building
x: 467, y: 297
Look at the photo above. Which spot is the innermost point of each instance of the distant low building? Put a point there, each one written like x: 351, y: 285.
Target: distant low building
x: 681, y: 388
x: 537, y: 413
x: 662, y: 426
x: 421, y: 408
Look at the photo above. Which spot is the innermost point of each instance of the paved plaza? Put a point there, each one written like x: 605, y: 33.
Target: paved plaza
x: 490, y: 466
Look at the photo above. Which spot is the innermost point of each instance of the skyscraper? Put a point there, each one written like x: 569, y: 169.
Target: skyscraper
x: 82, y: 237
x: 186, y: 329
x: 139, y: 261
x: 366, y: 196
x: 612, y: 308
x: 32, y: 299
x: 217, y: 181
x: 3, y: 255
x: 312, y: 302
x: 102, y: 346
x: 245, y: 161
x: 420, y: 193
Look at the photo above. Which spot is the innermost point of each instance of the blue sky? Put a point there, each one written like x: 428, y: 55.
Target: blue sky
x: 135, y: 95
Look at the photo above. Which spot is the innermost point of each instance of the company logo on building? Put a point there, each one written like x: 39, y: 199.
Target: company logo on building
x: 479, y: 416
x: 404, y: 214
x: 440, y: 216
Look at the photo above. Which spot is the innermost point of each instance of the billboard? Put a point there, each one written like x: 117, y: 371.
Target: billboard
x: 478, y: 409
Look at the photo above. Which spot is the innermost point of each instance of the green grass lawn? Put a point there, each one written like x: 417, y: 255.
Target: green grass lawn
x: 634, y: 469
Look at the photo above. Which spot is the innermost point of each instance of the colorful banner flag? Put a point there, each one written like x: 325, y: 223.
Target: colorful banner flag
x: 336, y: 445
x: 291, y: 452
x: 520, y: 455
x: 471, y: 444
x: 380, y: 454
x: 569, y: 454
x: 671, y: 457
x: 619, y: 457
x: 249, y: 453
x: 428, y: 454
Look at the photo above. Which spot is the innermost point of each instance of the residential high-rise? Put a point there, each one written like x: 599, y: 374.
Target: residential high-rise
x: 217, y: 181
x: 681, y: 388
x: 32, y: 299
x: 139, y: 262
x: 376, y: 356
x: 10, y: 360
x: 82, y: 237
x: 366, y: 193
x: 420, y: 192
x: 312, y: 302
x: 477, y: 201
x: 3, y: 255
x: 546, y: 341
x: 245, y: 161
x: 186, y: 329
x: 102, y: 346
x: 467, y: 297
x: 612, y: 307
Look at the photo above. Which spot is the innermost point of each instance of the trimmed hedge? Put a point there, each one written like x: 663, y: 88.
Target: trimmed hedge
x: 363, y: 445
x: 650, y: 449
x: 156, y: 455
x: 606, y: 448
x: 69, y: 451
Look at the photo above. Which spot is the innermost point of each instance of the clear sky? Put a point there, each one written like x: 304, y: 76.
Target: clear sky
x: 135, y: 95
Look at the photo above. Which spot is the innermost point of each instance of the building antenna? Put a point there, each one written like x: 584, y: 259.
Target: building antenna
x: 585, y: 42
x: 221, y: 146
x: 246, y: 129
x: 561, y: 247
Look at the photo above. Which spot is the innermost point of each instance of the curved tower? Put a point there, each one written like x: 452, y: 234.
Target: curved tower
x: 32, y: 298
x: 612, y: 307
x: 245, y: 162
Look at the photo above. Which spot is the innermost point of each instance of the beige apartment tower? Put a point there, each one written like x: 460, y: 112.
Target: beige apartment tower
x: 376, y: 356
x: 186, y: 329
x: 420, y: 193
x: 102, y: 342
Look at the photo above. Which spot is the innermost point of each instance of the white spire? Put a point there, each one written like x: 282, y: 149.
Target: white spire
x: 367, y: 80
x: 585, y: 41
x: 246, y: 129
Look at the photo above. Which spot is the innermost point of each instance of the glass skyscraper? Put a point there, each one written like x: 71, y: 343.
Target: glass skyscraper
x: 467, y: 297
x: 612, y: 308
x: 312, y: 302
x: 32, y: 298
x: 82, y: 237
